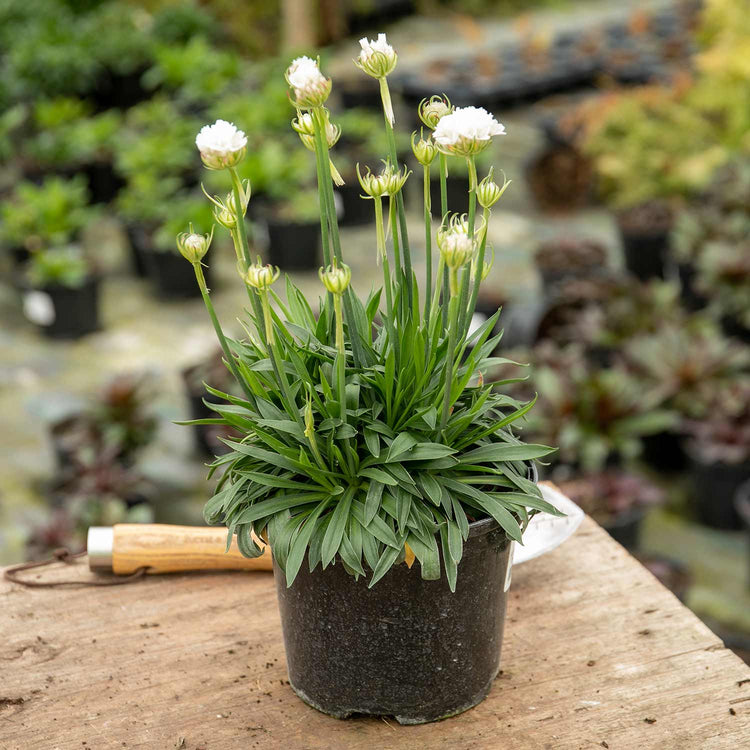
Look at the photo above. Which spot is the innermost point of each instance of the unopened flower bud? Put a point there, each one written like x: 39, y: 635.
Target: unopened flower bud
x: 305, y: 128
x: 309, y: 419
x: 311, y: 88
x: 387, y: 182
x: 376, y: 58
x: 433, y: 109
x: 194, y: 246
x: 261, y: 276
x: 221, y: 145
x: 424, y: 150
x: 489, y: 192
x: 336, y: 278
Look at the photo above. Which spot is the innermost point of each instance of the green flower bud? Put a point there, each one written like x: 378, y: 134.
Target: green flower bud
x: 432, y: 109
x: 260, y: 276
x: 194, y: 246
x: 336, y: 278
x: 489, y: 192
x: 424, y: 150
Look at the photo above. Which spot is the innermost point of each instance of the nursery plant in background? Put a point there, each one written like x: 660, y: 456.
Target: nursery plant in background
x: 371, y: 441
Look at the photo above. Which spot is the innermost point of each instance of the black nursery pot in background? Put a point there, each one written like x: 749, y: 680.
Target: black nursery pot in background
x: 294, y: 247
x: 354, y: 209
x: 714, y: 486
x: 644, y: 231
x: 173, y: 276
x: 407, y: 647
x: 742, y: 507
x: 457, y: 190
x: 76, y: 310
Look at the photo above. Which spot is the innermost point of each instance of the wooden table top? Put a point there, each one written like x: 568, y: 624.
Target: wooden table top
x: 597, y: 654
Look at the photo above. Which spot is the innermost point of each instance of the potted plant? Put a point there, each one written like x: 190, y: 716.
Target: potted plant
x: 617, y: 500
x: 719, y: 451
x: 165, y: 268
x: 35, y: 217
x: 683, y: 366
x: 211, y: 372
x: 742, y: 508
x: 63, y: 295
x: 368, y: 468
x: 568, y: 257
x: 708, y: 244
x: 644, y: 233
x: 116, y: 424
x: 597, y: 417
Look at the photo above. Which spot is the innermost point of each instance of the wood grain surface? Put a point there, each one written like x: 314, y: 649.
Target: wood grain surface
x: 167, y: 549
x: 597, y: 654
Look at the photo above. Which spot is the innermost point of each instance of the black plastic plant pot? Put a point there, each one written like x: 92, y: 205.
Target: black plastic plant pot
x: 625, y: 528
x: 742, y: 508
x: 714, y: 486
x: 173, y: 276
x: 690, y: 297
x: 406, y: 648
x: 664, y: 451
x: 355, y: 209
x: 294, y: 247
x: 645, y: 253
x: 139, y: 241
x: 457, y: 193
x: 76, y: 310
x: 103, y: 181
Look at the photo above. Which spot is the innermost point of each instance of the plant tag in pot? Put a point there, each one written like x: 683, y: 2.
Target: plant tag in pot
x: 39, y: 308
x: 545, y: 532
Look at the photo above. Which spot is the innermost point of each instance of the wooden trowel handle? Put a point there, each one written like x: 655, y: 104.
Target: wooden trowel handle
x: 164, y: 548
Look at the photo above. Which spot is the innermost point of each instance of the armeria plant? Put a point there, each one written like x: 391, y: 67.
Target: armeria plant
x: 370, y: 434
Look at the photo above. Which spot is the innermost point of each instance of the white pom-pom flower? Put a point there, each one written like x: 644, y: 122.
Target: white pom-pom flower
x: 221, y: 145
x: 311, y: 87
x: 376, y: 58
x: 466, y: 131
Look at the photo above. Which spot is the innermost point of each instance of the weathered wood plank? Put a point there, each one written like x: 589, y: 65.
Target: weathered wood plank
x: 597, y: 654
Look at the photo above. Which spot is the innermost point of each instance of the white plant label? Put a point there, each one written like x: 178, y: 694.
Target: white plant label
x: 509, y: 571
x: 39, y: 308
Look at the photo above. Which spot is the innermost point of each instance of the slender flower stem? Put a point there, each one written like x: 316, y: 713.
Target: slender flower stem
x: 466, y: 277
x: 448, y: 371
x: 328, y: 206
x: 444, y: 211
x: 278, y: 364
x: 427, y: 240
x: 240, y: 214
x: 340, y: 356
x: 382, y: 251
x: 385, y: 96
x: 438, y: 290
x: 323, y: 177
x: 479, y: 269
x: 201, y: 279
x: 394, y: 231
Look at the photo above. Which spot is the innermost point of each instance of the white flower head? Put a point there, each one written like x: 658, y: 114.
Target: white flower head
x: 221, y: 145
x: 311, y: 88
x: 376, y: 58
x: 466, y: 131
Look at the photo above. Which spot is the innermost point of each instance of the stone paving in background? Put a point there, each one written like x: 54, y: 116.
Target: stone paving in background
x: 41, y: 379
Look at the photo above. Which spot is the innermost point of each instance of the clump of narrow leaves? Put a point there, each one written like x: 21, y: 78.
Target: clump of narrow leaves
x: 363, y: 483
